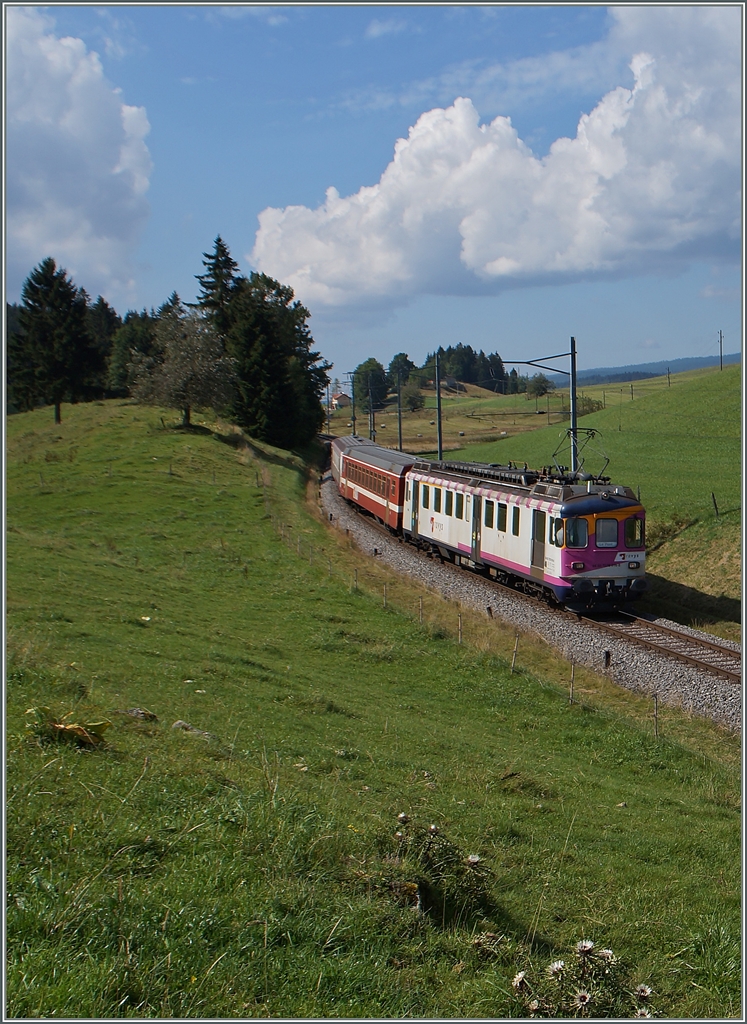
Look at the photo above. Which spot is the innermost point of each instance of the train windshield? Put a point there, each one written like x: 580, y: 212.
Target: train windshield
x: 606, y: 533
x: 576, y: 533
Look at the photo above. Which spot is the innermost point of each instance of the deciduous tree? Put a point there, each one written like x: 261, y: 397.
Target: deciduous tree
x: 188, y: 367
x: 371, y: 385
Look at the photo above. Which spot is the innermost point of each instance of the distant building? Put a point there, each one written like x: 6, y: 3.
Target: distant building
x: 340, y: 401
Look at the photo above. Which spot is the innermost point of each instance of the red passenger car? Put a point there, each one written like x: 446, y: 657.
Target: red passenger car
x: 372, y: 477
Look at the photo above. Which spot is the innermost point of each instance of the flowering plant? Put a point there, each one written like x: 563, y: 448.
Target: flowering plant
x: 590, y: 982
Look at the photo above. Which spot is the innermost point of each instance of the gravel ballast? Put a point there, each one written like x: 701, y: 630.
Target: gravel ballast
x: 630, y: 665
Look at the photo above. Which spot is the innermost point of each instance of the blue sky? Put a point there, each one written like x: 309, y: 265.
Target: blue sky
x: 561, y: 170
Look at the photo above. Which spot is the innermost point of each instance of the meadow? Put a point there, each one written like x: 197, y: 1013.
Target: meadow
x: 251, y: 865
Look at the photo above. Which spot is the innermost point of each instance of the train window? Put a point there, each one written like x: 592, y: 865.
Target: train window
x: 408, y: 492
x: 577, y: 533
x: 502, y: 513
x: 424, y: 495
x: 394, y: 489
x: 557, y: 532
x: 436, y: 499
x: 516, y: 521
x: 459, y: 511
x: 633, y: 533
x: 489, y: 509
x: 449, y: 503
x: 606, y: 533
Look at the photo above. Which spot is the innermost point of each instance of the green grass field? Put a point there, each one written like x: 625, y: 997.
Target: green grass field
x: 253, y: 868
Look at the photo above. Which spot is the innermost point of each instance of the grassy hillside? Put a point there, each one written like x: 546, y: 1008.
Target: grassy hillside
x: 252, y: 868
x: 678, y: 444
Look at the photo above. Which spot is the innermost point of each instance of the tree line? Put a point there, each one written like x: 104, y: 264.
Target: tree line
x: 244, y: 348
x: 458, y: 364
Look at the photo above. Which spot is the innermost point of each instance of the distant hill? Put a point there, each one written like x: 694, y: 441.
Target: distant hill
x: 639, y: 371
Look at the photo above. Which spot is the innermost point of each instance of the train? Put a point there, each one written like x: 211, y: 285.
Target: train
x: 574, y: 538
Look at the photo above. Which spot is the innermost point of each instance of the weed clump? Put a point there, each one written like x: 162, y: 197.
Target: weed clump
x: 441, y: 880
x: 47, y: 728
x: 591, y: 982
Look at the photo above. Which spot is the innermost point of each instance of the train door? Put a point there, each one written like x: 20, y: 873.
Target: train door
x: 539, y: 526
x: 476, y: 514
x: 415, y: 503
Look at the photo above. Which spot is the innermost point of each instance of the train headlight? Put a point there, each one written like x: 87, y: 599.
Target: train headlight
x: 634, y: 565
x: 577, y: 565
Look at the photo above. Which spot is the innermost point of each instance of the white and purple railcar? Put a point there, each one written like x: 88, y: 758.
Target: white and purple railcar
x: 583, y: 541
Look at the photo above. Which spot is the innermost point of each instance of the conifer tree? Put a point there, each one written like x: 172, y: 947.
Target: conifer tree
x: 53, y: 318
x: 218, y: 284
x: 136, y: 335
x: 103, y: 323
x: 281, y: 380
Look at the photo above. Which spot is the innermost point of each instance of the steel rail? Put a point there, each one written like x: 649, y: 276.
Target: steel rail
x: 703, y: 654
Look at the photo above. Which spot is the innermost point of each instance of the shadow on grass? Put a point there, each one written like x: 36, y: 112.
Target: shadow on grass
x: 688, y: 605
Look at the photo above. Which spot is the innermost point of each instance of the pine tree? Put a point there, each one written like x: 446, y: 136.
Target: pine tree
x: 136, y: 335
x: 219, y: 283
x: 56, y: 340
x: 281, y: 380
x: 21, y: 380
x: 103, y: 323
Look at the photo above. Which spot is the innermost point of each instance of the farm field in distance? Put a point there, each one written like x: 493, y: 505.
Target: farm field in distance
x: 253, y: 868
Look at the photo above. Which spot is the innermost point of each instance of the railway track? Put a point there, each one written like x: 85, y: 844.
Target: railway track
x: 707, y: 655
x: 704, y: 654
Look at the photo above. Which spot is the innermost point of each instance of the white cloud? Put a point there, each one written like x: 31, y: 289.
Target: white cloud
x: 270, y: 14
x: 77, y: 167
x: 392, y: 26
x: 650, y: 181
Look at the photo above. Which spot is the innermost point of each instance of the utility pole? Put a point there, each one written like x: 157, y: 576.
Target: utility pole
x: 721, y: 349
x: 574, y: 410
x: 327, y: 406
x: 669, y: 383
x: 399, y: 408
x: 371, y: 413
x: 352, y: 399
x: 438, y: 410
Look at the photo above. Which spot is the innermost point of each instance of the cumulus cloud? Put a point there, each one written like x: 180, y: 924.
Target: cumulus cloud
x: 650, y: 181
x: 77, y: 166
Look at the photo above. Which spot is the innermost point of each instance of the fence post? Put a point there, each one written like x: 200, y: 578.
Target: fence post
x: 420, y: 617
x: 713, y: 498
x: 513, y: 660
x: 356, y: 579
x: 656, y: 716
x: 573, y: 676
x: 460, y: 627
